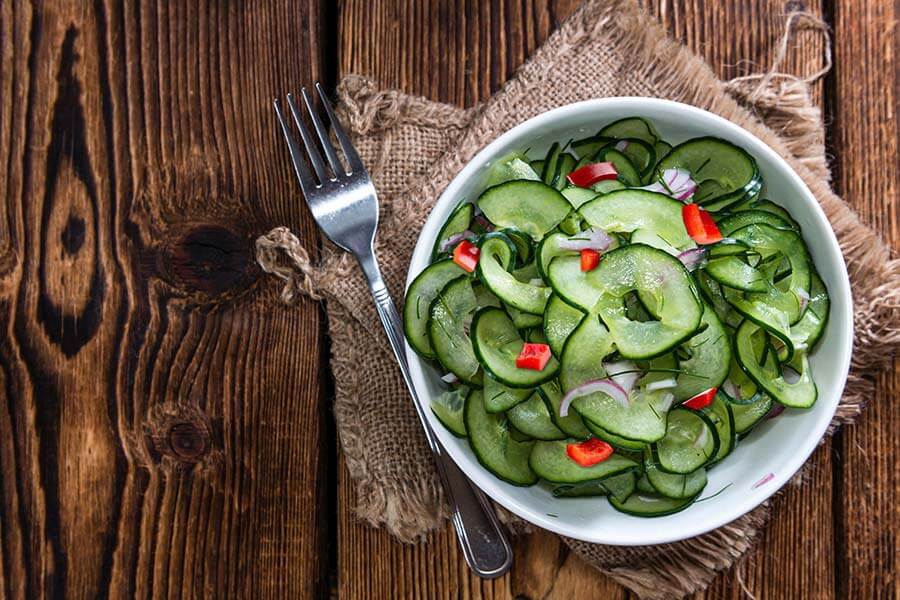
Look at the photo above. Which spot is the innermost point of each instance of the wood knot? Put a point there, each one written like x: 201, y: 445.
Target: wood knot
x: 210, y: 259
x: 187, y: 441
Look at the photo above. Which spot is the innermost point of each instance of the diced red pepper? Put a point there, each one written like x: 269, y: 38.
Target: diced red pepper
x: 588, y: 175
x: 465, y: 255
x: 533, y: 356
x: 589, y: 259
x: 700, y: 225
x: 589, y: 452
x: 701, y: 400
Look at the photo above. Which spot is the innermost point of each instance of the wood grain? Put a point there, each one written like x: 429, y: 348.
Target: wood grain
x: 151, y: 383
x: 865, y: 136
x: 736, y: 39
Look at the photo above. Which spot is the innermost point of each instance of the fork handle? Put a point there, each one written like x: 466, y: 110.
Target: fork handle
x: 480, y: 534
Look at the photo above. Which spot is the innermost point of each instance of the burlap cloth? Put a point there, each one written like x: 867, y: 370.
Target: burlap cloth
x: 414, y: 147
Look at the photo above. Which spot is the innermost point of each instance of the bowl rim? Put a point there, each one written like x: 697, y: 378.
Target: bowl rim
x: 840, y: 297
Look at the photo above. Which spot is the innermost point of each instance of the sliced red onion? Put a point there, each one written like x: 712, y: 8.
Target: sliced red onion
x: 454, y: 239
x: 701, y: 439
x: 766, y: 479
x: 605, y: 386
x: 731, y: 389
x: 481, y: 220
x: 776, y: 410
x: 450, y: 378
x: 621, y: 145
x: 662, y: 384
x: 692, y: 258
x: 589, y: 239
x: 804, y: 298
x: 676, y: 183
x: 623, y: 372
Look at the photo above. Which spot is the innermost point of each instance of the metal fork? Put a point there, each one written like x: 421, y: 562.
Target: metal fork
x: 344, y: 204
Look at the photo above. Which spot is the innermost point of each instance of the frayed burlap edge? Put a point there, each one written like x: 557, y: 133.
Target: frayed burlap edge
x: 784, y: 103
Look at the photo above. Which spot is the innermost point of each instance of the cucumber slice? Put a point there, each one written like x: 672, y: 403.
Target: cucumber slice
x: 450, y: 311
x: 648, y: 238
x: 691, y: 440
x: 626, y: 211
x: 677, y: 487
x: 631, y: 127
x: 662, y: 150
x: 587, y: 147
x: 627, y: 172
x: 643, y: 485
x: 642, y: 504
x: 733, y: 272
x: 578, y: 195
x: 496, y: 343
x: 615, y: 440
x: 768, y: 375
x: 497, y: 256
x: 729, y: 202
x: 719, y: 413
x: 582, y: 356
x: 560, y: 320
x: 417, y: 308
x: 499, y: 398
x: 769, y: 206
x: 641, y: 154
x: 551, y: 463
x: 523, y: 320
x: 491, y: 441
x: 550, y: 163
x: 661, y: 280
x: 712, y: 293
x: 458, y: 222
x: 606, y: 186
x: 571, y: 424
x: 533, y: 419
x: 523, y: 243
x: 530, y: 206
x: 721, y: 169
x: 449, y: 407
x: 564, y: 166
x: 746, y: 416
x: 708, y: 358
x: 643, y: 420
x: 514, y: 166
x: 620, y: 486
x: 806, y: 332
x: 738, y: 220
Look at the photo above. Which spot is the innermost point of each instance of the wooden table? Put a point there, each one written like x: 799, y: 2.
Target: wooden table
x: 164, y: 423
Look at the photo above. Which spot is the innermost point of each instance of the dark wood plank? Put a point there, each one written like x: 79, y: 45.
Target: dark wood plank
x: 151, y: 385
x: 480, y: 45
x: 865, y: 137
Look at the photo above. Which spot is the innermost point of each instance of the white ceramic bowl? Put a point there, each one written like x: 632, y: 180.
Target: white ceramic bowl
x: 777, y: 447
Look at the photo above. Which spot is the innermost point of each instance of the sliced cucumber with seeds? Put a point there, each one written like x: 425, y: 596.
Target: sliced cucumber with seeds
x: 769, y: 206
x: 560, y: 320
x: 578, y: 195
x: 642, y: 420
x: 747, y: 415
x: 514, y: 166
x: 550, y: 462
x: 492, y: 443
x: 626, y: 211
x: 530, y: 206
x: 572, y: 424
x: 450, y: 312
x: 678, y: 487
x: 721, y: 169
x: 523, y: 320
x: 707, y: 358
x: 449, y: 408
x: 497, y: 344
x: 421, y: 293
x: 806, y: 332
x: 691, y: 440
x: 631, y: 127
x: 533, y: 419
x: 497, y: 257
x: 615, y: 440
x: 619, y: 486
x: 587, y: 147
x: 499, y: 398
x: 735, y: 221
x: 626, y: 171
x: 457, y: 223
x: 582, y: 356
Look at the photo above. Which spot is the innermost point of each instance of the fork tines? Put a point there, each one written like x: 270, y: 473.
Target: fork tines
x: 323, y: 174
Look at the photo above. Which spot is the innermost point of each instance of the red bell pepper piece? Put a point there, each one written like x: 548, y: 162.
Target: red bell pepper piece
x: 590, y: 174
x: 589, y: 452
x: 701, y: 400
x: 465, y: 255
x: 700, y: 225
x: 533, y: 356
x: 589, y: 259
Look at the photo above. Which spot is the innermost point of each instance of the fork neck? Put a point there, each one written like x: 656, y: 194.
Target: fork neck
x: 370, y: 269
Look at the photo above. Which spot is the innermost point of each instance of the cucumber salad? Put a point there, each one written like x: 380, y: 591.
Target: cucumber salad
x: 611, y: 318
